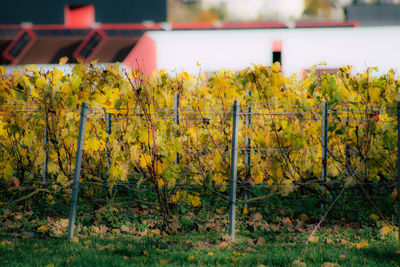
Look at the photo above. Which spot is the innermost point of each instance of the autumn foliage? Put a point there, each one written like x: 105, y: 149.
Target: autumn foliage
x: 145, y: 141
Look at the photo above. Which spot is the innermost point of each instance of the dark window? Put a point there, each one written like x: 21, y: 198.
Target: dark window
x: 91, y: 45
x: 277, y: 57
x: 19, y: 45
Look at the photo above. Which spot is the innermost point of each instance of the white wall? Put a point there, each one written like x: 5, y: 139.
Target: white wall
x: 237, y: 49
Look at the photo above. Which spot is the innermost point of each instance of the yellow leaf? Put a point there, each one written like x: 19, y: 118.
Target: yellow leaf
x: 160, y: 183
x: 385, y: 230
x: 75, y: 240
x: 43, y: 228
x: 134, y: 153
x: 34, y: 93
x: 374, y: 217
x: 196, y: 201
x: 8, y: 172
x: 363, y: 244
x: 5, y: 242
x: 298, y: 263
x: 393, y: 195
x: 245, y: 211
x: 258, y: 177
x: 159, y: 168
x: 63, y: 60
x: 223, y: 244
x: 41, y: 81
x: 2, y: 70
x: 210, y: 254
x: 191, y: 257
x: 144, y: 160
x: 276, y: 67
x: 164, y: 261
x: 329, y: 264
x: 50, y: 265
x: 313, y: 239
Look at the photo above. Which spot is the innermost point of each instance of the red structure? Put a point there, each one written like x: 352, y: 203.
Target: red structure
x: 81, y: 38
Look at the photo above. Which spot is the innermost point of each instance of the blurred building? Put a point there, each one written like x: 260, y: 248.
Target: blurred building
x: 139, y: 37
x: 385, y: 13
x: 81, y: 12
x: 43, y: 31
x: 296, y: 49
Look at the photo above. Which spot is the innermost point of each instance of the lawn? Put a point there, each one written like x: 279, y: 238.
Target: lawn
x: 344, y: 247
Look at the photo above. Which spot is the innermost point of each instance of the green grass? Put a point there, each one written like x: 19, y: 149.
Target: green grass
x: 279, y: 250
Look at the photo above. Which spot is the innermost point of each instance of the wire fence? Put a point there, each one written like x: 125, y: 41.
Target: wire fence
x: 281, y: 150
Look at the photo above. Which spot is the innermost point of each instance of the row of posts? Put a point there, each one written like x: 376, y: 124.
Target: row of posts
x: 234, y: 157
x: 78, y: 159
x: 247, y: 157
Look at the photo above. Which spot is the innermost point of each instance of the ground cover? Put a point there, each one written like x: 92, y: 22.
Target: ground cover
x: 331, y: 246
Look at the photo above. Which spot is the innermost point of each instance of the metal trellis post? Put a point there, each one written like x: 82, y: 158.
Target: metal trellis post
x: 324, y: 141
x: 232, y: 192
x: 247, y: 141
x: 398, y: 166
x: 46, y: 155
x: 176, y: 118
x: 108, y: 130
x: 77, y: 172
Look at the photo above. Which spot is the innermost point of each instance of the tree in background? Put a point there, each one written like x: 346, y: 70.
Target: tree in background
x: 191, y: 11
x: 318, y: 8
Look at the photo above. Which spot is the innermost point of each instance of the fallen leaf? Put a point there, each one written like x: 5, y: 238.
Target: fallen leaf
x: 223, y: 244
x: 329, y: 241
x: 299, y: 263
x: 304, y: 217
x: 385, y: 230
x: 260, y: 241
x: 313, y: 239
x: 234, y: 260
x: 191, y: 258
x: 236, y: 253
x: 363, y: 244
x: 287, y: 220
x: 329, y: 264
x: 344, y: 241
x: 156, y: 232
x: 5, y: 242
x: 250, y: 241
x: 16, y: 182
x: 398, y: 252
x: 125, y: 257
x: 125, y: 229
x: 43, y: 228
x: 374, y: 217
x: 256, y: 218
x: 164, y: 261
x: 210, y: 254
x: 342, y: 257
x: 245, y: 211
x: 75, y: 240
x: 250, y: 249
x: 226, y: 238
x: 145, y: 252
x: 50, y: 265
